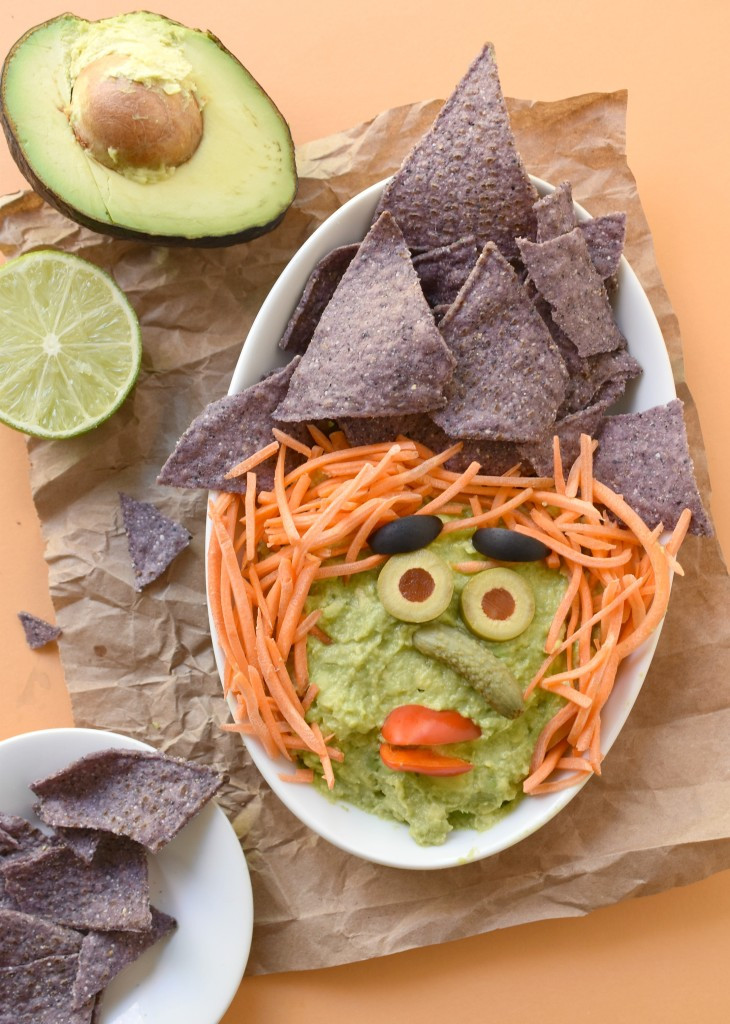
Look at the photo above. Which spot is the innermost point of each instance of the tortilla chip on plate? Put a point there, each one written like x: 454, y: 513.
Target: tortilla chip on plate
x: 587, y: 375
x: 554, y: 213
x: 104, y: 954
x: 226, y: 432
x: 509, y: 379
x: 568, y: 428
x: 25, y: 938
x: 605, y: 237
x: 465, y: 176
x: 110, y: 893
x: 442, y: 271
x: 376, y: 350
x: 564, y: 274
x: 145, y: 795
x: 645, y: 457
x: 84, y: 842
x: 41, y: 992
x: 318, y: 290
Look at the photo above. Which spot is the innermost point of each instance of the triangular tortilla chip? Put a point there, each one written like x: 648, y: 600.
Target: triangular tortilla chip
x: 465, y: 176
x: 37, y: 631
x: 104, y: 954
x: 376, y: 351
x: 509, y: 379
x: 110, y: 893
x: 153, y: 539
x: 645, y: 457
x: 605, y: 237
x: 226, y: 432
x: 564, y: 274
x: 555, y: 213
x: 318, y: 290
x: 144, y: 795
x: 443, y: 271
x: 25, y: 938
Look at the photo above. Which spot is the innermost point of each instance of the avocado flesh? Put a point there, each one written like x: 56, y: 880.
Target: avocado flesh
x: 238, y: 183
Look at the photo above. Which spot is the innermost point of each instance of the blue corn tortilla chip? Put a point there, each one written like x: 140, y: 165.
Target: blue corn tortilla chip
x: 509, y: 379
x: 443, y: 271
x: 587, y: 376
x: 585, y: 421
x: 494, y: 457
x: 562, y: 270
x: 104, y: 954
x: 318, y: 290
x: 465, y: 176
x: 226, y: 432
x: 8, y: 843
x: 376, y: 350
x: 21, y: 839
x: 144, y: 795
x: 110, y: 893
x: 41, y: 992
x: 153, y: 539
x: 84, y: 842
x: 554, y: 213
x: 37, y: 631
x: 645, y: 457
x: 605, y: 237
x: 25, y: 938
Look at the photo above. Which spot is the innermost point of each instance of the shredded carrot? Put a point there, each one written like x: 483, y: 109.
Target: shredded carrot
x: 291, y: 442
x: 252, y: 461
x: 268, y: 549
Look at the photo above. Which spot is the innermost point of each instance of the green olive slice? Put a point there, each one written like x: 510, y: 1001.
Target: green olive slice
x: 415, y: 587
x: 498, y: 604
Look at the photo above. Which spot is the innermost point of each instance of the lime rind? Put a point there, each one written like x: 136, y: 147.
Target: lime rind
x: 70, y: 345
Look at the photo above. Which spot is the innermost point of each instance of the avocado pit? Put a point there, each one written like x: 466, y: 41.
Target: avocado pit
x: 125, y: 124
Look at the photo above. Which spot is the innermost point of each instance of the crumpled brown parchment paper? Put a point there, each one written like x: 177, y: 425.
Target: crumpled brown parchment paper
x: 142, y: 664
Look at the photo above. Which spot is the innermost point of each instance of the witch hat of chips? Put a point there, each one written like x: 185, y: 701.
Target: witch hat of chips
x: 376, y: 350
x: 465, y: 176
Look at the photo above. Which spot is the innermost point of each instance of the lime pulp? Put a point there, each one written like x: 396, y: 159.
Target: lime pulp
x: 70, y: 345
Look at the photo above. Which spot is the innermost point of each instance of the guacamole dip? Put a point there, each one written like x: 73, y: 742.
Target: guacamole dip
x: 372, y: 667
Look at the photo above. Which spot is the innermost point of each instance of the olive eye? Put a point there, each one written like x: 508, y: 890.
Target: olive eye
x: 415, y: 587
x: 498, y: 604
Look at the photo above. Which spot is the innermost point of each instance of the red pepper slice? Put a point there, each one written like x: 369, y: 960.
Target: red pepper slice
x: 422, y: 761
x: 414, y: 725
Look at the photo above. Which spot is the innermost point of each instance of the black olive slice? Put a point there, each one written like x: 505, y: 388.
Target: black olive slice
x: 508, y: 545
x: 409, y: 533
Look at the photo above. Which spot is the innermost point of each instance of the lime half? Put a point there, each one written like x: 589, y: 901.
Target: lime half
x: 70, y: 346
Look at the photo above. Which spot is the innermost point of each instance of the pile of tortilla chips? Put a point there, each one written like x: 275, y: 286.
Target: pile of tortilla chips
x: 473, y: 311
x: 75, y: 905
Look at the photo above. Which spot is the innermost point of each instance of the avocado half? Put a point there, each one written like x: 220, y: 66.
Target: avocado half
x: 138, y: 127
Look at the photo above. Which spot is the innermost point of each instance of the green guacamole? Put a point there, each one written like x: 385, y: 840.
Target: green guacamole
x: 371, y: 667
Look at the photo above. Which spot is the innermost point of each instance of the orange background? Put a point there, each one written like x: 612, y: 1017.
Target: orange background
x: 330, y: 64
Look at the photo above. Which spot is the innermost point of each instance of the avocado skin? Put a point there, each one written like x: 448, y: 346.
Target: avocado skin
x: 114, y: 230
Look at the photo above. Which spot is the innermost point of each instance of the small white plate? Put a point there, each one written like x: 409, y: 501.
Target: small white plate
x: 354, y: 830
x: 200, y: 877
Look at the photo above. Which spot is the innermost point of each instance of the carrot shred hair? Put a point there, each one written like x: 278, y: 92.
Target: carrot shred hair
x: 252, y: 461
x: 269, y: 548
